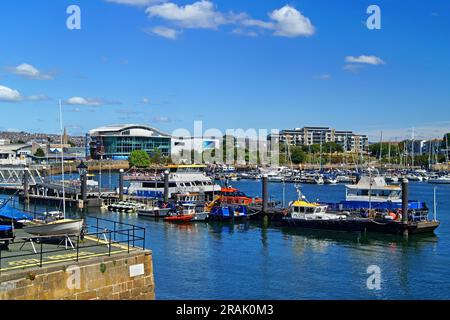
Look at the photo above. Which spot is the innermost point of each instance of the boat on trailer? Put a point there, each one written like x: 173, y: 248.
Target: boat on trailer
x: 56, y: 228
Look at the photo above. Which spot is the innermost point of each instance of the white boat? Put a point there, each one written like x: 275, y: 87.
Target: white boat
x: 439, y: 180
x: 344, y: 179
x: 373, y: 189
x: 56, y: 228
x: 303, y: 210
x: 391, y: 178
x: 153, y: 212
x: 182, y: 179
x: 414, y: 177
x: 330, y: 180
x: 62, y: 226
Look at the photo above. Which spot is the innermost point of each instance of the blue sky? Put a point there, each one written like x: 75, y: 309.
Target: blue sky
x: 231, y: 64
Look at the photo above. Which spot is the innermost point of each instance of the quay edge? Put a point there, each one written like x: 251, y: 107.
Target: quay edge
x: 100, y: 278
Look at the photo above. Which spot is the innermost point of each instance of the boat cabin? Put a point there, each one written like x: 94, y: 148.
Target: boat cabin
x: 373, y: 189
x: 304, y: 210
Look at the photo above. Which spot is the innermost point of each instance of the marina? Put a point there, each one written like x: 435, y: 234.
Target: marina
x: 164, y: 236
x: 225, y: 155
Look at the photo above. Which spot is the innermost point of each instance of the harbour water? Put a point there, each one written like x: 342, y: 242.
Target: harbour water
x: 246, y: 261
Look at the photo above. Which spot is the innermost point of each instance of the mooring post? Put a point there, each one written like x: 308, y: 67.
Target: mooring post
x: 166, y: 186
x: 84, y: 190
x: 121, y: 184
x: 26, y: 188
x: 405, y: 206
x: 265, y: 193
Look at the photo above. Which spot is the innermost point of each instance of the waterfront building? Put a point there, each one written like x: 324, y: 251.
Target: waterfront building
x: 307, y: 136
x: 186, y: 145
x: 116, y: 142
x: 14, y: 154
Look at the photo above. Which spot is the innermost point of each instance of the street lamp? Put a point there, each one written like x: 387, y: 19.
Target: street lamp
x: 82, y: 169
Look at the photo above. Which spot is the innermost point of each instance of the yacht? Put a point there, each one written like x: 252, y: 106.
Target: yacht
x: 439, y: 180
x: 183, y: 179
x: 374, y: 189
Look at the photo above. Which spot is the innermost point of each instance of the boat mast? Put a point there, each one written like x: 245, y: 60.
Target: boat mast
x: 434, y: 203
x: 62, y: 160
x: 412, y: 148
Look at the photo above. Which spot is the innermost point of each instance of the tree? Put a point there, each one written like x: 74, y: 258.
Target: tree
x: 157, y: 157
x: 297, y: 155
x: 39, y: 153
x: 139, y: 159
x: 333, y: 147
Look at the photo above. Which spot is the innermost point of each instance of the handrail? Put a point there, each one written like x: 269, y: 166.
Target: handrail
x: 124, y: 233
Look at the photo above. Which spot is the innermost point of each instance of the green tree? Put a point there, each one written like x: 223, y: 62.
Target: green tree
x: 157, y: 157
x: 39, y: 153
x: 139, y: 159
x: 333, y: 147
x: 297, y: 155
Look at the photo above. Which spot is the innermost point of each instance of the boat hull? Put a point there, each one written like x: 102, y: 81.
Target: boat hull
x: 154, y: 213
x: 57, y: 228
x: 180, y: 218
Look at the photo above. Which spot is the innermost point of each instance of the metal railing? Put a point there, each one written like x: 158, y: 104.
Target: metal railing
x: 108, y: 237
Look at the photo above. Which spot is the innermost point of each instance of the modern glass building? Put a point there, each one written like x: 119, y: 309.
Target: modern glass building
x: 118, y: 141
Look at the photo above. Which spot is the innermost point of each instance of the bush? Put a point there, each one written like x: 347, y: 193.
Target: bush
x: 139, y: 159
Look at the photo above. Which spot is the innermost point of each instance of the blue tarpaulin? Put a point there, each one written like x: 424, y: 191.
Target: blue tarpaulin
x: 14, y: 214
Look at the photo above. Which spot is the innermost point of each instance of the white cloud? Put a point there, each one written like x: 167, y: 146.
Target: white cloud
x: 28, y: 71
x: 257, y: 23
x: 165, y: 32
x: 291, y: 23
x: 39, y: 97
x: 80, y: 101
x: 201, y: 14
x: 9, y: 95
x: 373, y: 60
x: 134, y: 2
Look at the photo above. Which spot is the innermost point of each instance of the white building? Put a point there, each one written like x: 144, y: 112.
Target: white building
x: 183, y: 147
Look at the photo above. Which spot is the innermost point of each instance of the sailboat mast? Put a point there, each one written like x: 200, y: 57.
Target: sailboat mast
x: 62, y: 159
x: 412, y: 148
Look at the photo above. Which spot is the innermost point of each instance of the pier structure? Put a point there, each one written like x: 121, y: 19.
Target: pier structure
x: 11, y: 177
x: 107, y: 262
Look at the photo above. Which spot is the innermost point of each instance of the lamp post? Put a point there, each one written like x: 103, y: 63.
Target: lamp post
x: 82, y: 171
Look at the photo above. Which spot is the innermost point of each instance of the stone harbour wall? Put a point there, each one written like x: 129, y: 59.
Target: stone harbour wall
x: 119, y: 277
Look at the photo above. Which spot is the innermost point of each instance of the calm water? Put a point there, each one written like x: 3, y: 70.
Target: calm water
x: 245, y: 261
